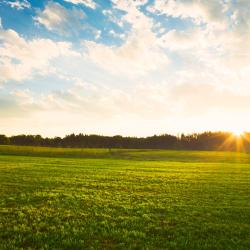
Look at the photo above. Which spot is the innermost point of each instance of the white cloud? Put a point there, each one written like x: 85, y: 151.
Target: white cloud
x: 179, y: 40
x: 19, y: 103
x: 24, y: 97
x: 57, y: 18
x: 130, y: 59
x: 241, y: 15
x: 139, y: 54
x: 220, y: 49
x: 20, y: 5
x: 97, y: 33
x: 89, y: 3
x: 113, y: 18
x: 210, y: 12
x: 134, y: 16
x: 126, y: 5
x: 93, y: 101
x: 20, y: 58
x: 117, y: 35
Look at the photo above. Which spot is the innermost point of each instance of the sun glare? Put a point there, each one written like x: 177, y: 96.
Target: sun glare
x: 238, y: 132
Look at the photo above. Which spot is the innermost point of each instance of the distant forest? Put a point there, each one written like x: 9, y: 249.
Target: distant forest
x: 223, y: 141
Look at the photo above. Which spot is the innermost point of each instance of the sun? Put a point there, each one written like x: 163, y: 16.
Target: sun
x: 238, y: 132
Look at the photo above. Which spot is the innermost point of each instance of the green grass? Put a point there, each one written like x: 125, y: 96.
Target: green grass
x: 128, y: 154
x: 123, y: 199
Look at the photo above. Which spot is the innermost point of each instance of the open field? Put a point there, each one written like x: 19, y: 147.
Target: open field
x: 123, y: 199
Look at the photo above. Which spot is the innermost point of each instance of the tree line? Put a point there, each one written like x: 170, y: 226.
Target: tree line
x: 223, y: 141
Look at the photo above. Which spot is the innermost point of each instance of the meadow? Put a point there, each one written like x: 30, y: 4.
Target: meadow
x: 54, y: 198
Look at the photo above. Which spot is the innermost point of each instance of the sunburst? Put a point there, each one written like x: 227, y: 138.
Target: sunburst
x: 236, y: 139
x: 238, y: 132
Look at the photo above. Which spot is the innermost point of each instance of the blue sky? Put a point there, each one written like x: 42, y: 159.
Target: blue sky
x: 124, y: 67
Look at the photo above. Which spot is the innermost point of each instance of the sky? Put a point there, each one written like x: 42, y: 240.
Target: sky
x: 127, y: 67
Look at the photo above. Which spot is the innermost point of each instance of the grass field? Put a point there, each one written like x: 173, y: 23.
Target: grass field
x: 123, y: 199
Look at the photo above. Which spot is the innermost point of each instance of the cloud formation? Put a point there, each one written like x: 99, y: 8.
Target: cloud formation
x: 209, y: 12
x: 89, y: 3
x: 57, y: 18
x: 139, y: 54
x: 19, y: 4
x: 20, y: 58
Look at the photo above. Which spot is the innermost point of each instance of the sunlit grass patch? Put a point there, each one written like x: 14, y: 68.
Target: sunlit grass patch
x: 191, y: 200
